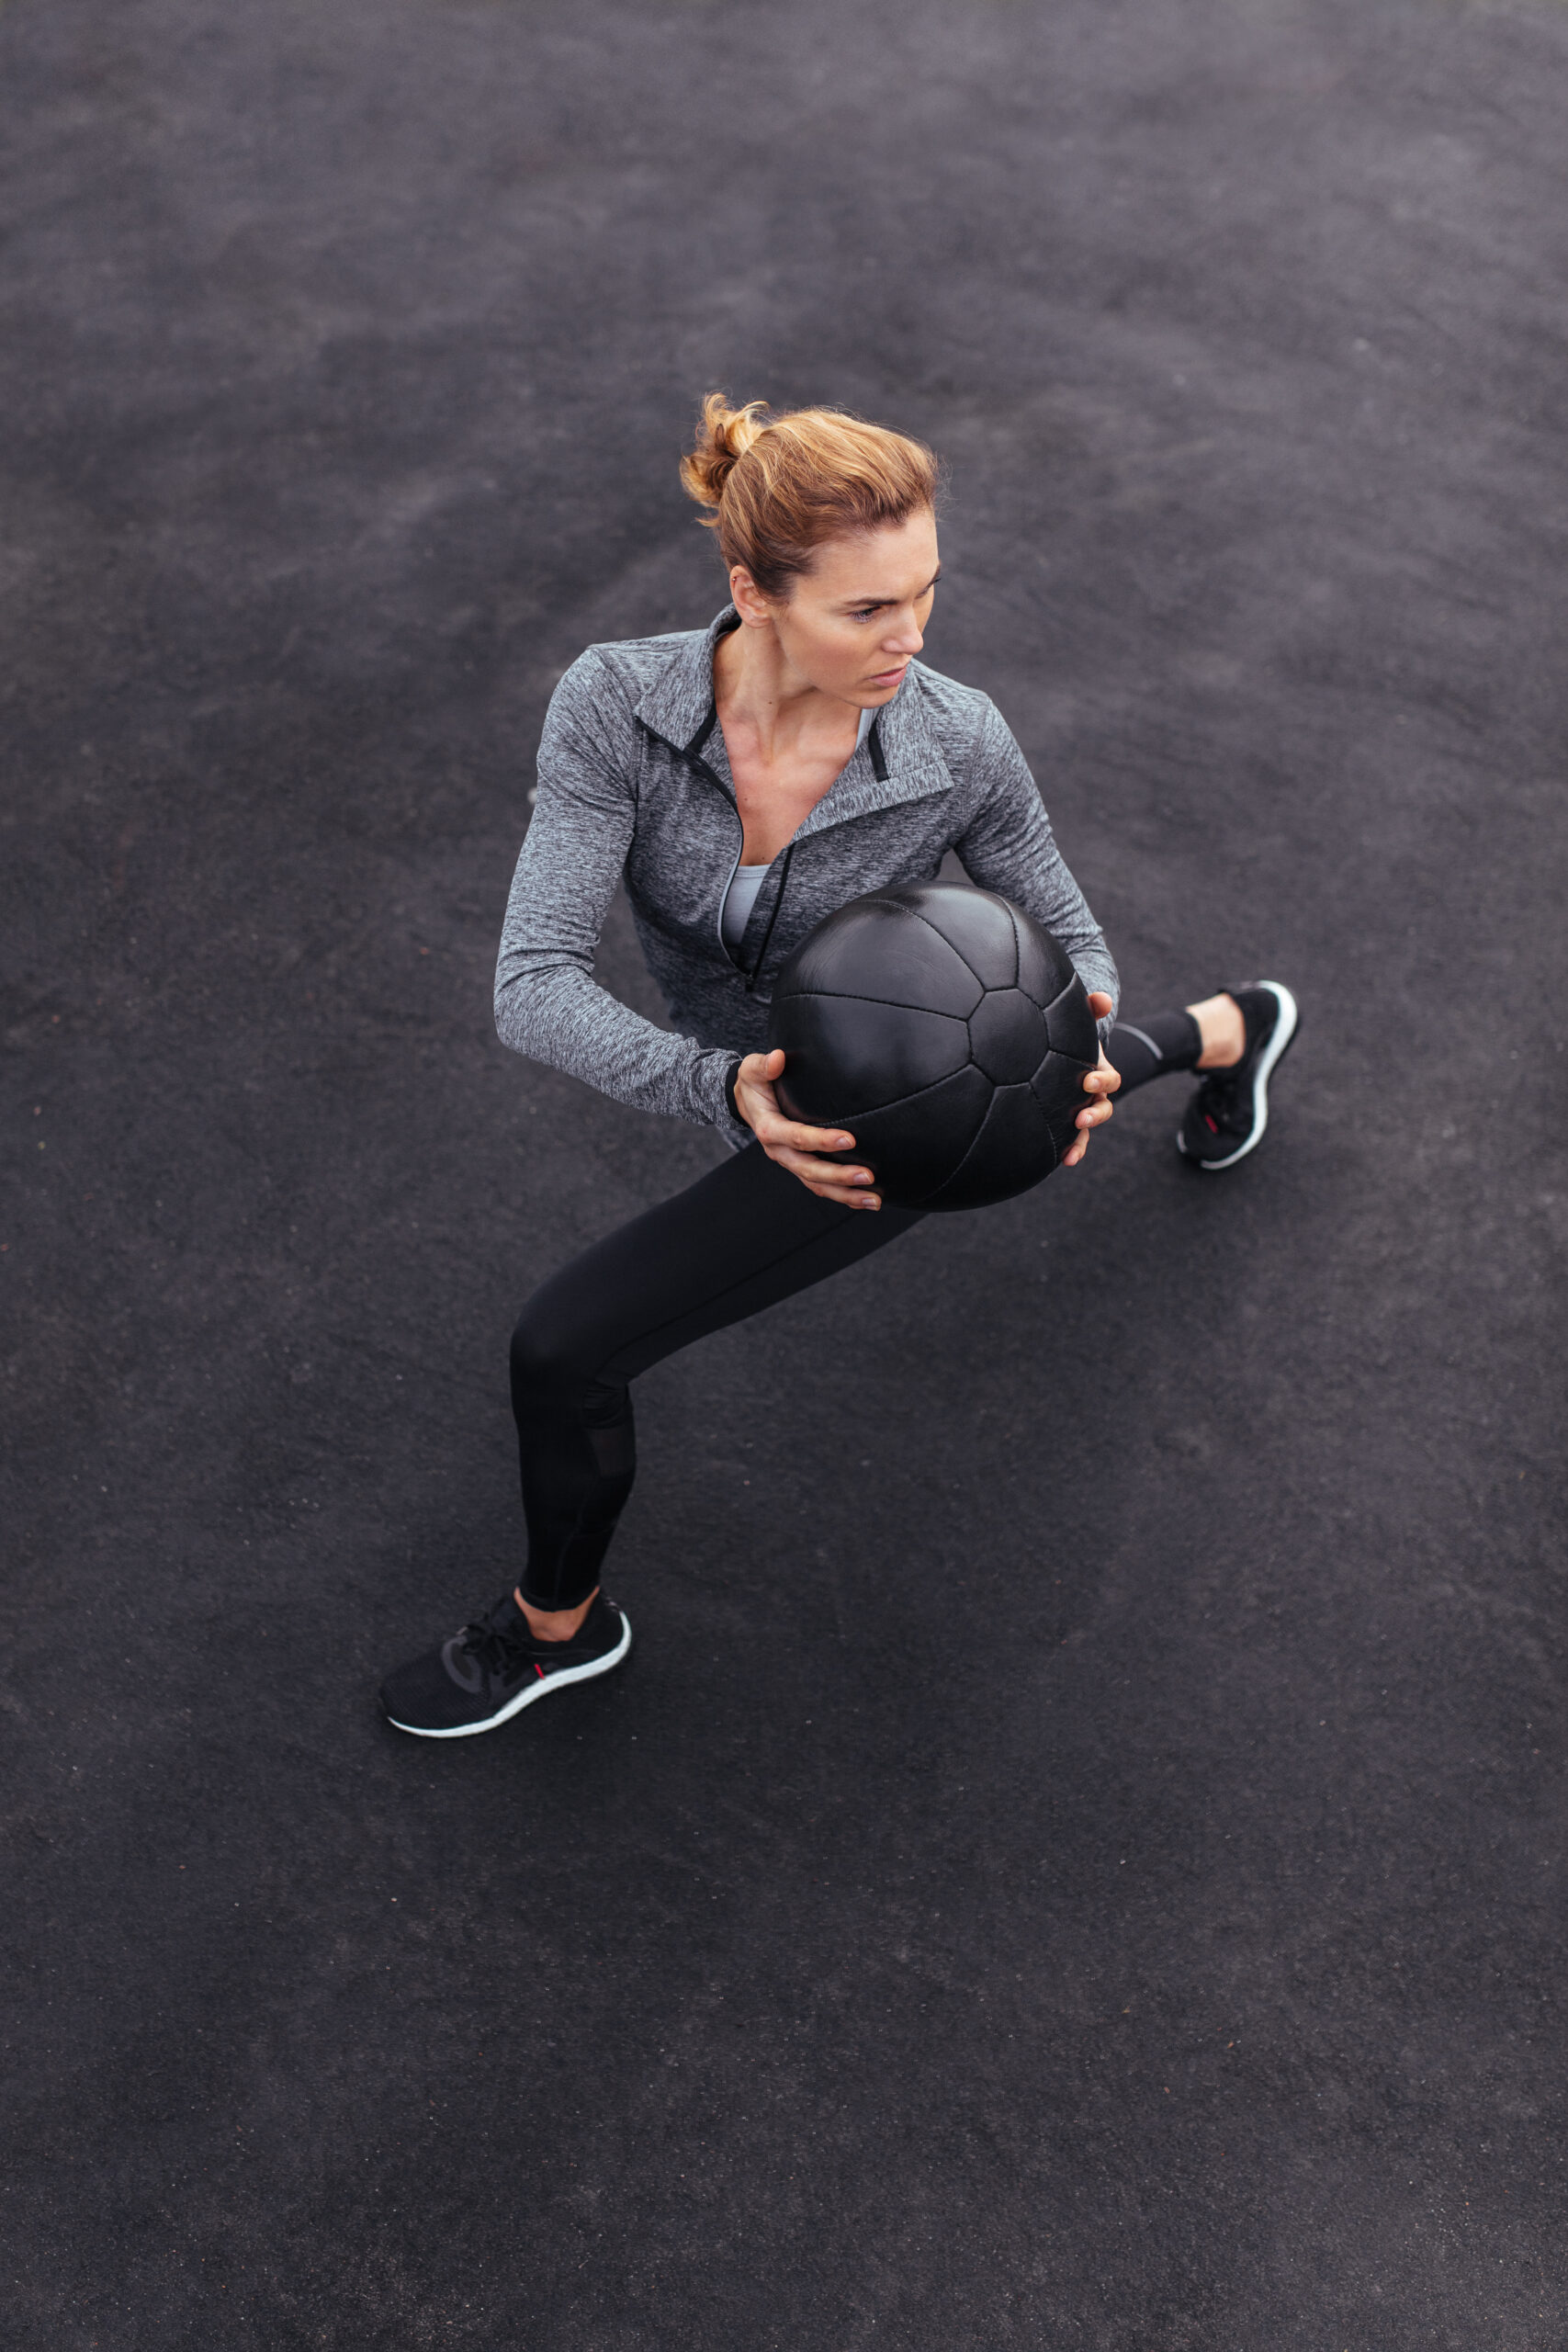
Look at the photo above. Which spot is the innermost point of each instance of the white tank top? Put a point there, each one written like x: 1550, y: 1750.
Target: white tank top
x: 741, y: 894
x: 739, y: 901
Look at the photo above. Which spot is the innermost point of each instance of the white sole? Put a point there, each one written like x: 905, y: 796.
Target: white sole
x: 530, y: 1691
x: 1284, y: 1030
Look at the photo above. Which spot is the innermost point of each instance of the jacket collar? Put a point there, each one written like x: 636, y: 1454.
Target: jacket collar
x: 677, y: 702
x: 677, y: 705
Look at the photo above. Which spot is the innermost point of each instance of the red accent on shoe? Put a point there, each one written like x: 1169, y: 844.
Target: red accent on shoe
x: 1212, y: 1124
x: 539, y: 1669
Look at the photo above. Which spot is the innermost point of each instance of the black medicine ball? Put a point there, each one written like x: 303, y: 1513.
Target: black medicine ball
x: 948, y: 1032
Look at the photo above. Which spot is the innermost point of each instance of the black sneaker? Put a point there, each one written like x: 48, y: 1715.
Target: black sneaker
x: 491, y: 1671
x: 1226, y: 1116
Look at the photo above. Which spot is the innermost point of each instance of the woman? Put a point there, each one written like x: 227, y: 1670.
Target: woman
x: 744, y: 780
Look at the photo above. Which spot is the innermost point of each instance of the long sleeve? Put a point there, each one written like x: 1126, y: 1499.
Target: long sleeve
x: 1010, y: 848
x: 547, y: 1003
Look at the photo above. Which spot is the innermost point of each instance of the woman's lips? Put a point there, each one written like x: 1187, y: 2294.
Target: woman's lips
x: 887, y: 677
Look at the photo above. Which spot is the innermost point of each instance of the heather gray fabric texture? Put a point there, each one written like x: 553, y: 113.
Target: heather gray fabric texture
x: 633, y: 782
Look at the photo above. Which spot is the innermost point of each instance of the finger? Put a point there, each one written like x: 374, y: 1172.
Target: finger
x: 1100, y: 1004
x: 794, y: 1138
x: 845, y: 1199
x: 758, y: 1073
x: 829, y: 1184
x: 823, y: 1171
x: 1094, y: 1115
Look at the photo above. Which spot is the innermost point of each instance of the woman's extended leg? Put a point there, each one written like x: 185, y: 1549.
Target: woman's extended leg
x: 1154, y: 1046
x: 742, y: 1238
x: 1234, y: 1041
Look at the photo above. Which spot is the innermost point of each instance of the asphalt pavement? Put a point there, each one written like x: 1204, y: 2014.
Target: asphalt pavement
x: 1076, y: 1861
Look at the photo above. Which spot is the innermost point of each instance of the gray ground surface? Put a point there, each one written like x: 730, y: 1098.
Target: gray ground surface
x: 1077, y: 1858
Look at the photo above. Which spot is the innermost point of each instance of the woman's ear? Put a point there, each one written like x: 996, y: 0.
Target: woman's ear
x: 747, y: 599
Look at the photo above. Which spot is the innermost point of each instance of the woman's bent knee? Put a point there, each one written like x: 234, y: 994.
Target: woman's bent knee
x: 544, y: 1363
x: 553, y: 1372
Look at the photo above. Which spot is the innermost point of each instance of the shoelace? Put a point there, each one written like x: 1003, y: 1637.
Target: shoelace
x: 501, y: 1650
x: 495, y: 1649
x: 1220, y: 1096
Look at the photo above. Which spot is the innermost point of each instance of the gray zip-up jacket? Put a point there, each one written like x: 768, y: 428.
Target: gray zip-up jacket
x: 633, y: 784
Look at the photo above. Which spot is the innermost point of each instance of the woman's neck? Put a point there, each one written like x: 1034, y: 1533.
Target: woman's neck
x: 760, y: 693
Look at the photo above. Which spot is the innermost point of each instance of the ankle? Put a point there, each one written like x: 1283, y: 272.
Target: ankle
x: 1222, y: 1028
x: 554, y: 1624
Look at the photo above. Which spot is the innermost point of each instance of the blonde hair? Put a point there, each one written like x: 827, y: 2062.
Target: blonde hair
x: 778, y: 486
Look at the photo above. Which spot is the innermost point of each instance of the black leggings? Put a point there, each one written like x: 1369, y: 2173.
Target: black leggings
x: 740, y: 1238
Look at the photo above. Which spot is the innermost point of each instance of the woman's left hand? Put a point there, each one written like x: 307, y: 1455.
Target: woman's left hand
x: 1101, y: 1084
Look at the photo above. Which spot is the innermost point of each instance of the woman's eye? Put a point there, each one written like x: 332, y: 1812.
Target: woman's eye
x: 869, y: 615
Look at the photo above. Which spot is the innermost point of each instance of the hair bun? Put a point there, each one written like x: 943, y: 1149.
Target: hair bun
x: 819, y: 474
x: 723, y: 438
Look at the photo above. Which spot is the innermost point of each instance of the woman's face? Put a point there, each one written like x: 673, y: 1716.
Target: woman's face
x: 851, y: 625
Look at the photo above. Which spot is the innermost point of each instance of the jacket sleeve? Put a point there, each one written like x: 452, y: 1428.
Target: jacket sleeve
x: 1009, y: 847
x: 547, y: 1003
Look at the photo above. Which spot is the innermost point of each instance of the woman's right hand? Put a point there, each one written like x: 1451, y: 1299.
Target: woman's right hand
x: 794, y: 1146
